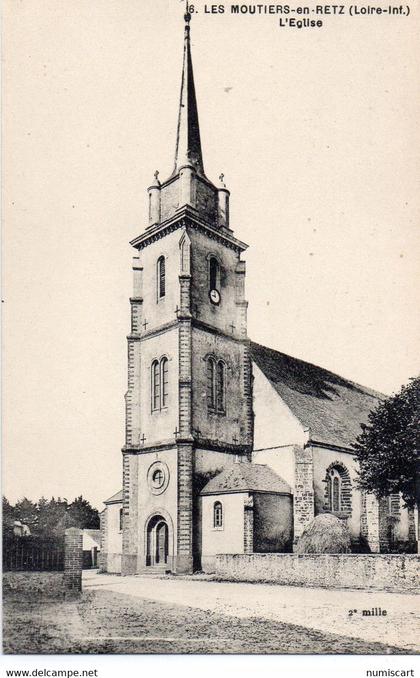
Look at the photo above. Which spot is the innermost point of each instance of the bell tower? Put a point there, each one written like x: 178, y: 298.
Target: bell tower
x: 189, y: 400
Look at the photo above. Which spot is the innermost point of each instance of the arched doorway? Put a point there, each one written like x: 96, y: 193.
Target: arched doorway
x: 157, y: 541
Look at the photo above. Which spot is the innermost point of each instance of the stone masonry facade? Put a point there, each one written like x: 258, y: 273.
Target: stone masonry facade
x: 303, y: 504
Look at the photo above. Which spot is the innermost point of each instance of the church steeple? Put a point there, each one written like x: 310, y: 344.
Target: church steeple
x: 188, y: 189
x: 188, y: 142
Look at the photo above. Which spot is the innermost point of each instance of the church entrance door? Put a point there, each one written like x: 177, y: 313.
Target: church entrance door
x: 161, y: 543
x: 157, y: 541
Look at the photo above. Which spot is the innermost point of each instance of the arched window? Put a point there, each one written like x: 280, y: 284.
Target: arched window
x: 164, y: 381
x: 160, y: 383
x: 211, y: 379
x: 121, y: 519
x: 220, y: 386
x: 334, y: 490
x: 217, y: 514
x: 155, y: 385
x: 185, y: 250
x: 216, y: 385
x: 214, y: 274
x: 161, y: 277
x: 336, y: 494
x: 338, y: 489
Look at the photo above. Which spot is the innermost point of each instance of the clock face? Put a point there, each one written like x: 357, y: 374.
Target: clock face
x: 214, y: 296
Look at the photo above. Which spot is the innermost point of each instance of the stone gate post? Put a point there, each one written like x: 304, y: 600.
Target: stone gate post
x: 73, y: 559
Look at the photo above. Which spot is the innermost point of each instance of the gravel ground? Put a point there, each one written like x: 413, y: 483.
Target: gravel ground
x: 323, y: 610
x: 103, y: 621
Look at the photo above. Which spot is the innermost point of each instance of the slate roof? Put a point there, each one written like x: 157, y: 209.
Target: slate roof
x: 330, y: 406
x: 94, y: 534
x: 115, y: 499
x: 246, y: 477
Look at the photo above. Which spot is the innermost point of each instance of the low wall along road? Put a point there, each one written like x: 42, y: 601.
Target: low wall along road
x: 382, y: 572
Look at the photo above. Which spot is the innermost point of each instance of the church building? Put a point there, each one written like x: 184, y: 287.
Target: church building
x: 230, y: 447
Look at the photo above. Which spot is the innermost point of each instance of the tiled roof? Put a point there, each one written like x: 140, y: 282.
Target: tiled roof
x: 246, y: 477
x: 330, y: 406
x: 115, y: 499
x: 94, y: 534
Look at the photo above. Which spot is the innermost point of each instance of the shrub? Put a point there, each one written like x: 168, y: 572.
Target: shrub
x: 325, y: 534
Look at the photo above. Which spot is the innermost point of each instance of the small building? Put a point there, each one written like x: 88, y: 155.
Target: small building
x: 20, y: 529
x: 247, y: 508
x: 111, y: 534
x: 91, y: 548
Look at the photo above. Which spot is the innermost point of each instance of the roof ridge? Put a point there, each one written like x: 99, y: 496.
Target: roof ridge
x: 330, y: 407
x: 368, y: 389
x: 246, y: 476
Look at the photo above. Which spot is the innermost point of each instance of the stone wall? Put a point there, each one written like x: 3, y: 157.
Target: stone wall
x: 232, y: 429
x: 229, y: 311
x: 273, y: 523
x: 369, y: 521
x: 356, y: 571
x: 303, y: 505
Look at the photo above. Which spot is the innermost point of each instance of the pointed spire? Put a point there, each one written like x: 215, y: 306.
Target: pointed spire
x: 188, y: 143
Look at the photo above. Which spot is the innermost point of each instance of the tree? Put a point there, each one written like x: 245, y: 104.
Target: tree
x: 48, y: 519
x: 8, y: 514
x: 51, y: 516
x: 388, y: 447
x: 26, y: 511
x: 81, y: 514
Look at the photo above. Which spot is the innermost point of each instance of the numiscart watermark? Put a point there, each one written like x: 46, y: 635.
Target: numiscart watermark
x: 308, y: 15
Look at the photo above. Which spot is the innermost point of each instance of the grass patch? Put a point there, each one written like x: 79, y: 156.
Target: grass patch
x: 47, y: 584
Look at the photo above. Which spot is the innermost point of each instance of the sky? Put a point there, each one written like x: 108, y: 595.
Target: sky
x: 317, y: 134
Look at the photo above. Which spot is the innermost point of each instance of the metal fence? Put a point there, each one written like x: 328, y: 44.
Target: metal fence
x: 29, y: 554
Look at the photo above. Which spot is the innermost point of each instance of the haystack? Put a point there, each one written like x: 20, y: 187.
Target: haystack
x: 325, y: 534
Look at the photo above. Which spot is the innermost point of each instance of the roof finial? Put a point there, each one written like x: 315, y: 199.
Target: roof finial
x: 156, y: 182
x: 187, y: 19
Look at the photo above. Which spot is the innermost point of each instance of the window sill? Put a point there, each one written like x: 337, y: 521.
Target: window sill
x: 217, y: 529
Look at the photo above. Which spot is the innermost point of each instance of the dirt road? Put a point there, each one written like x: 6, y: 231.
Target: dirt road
x: 317, y: 609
